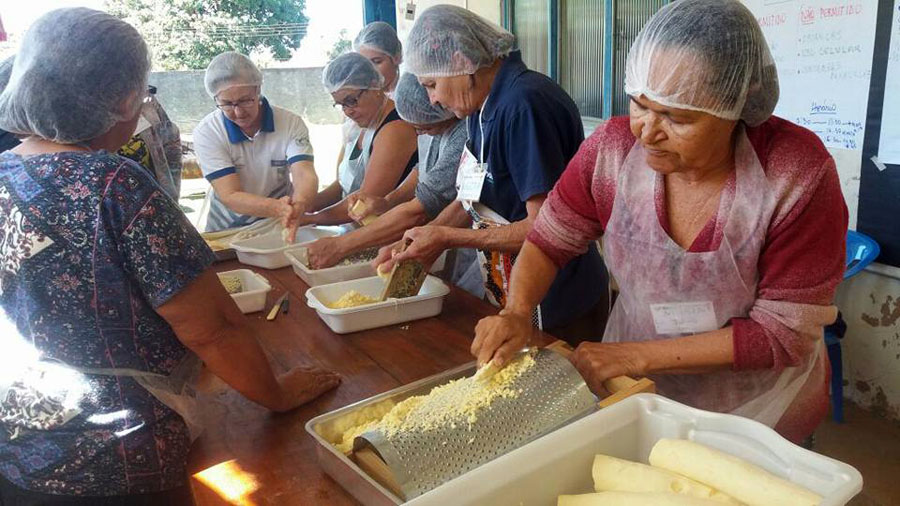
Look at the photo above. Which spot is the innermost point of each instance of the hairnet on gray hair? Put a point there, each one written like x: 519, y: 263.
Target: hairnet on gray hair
x: 380, y: 37
x: 228, y: 70
x: 351, y: 71
x: 413, y: 104
x: 705, y: 55
x: 448, y: 40
x: 5, y: 71
x: 72, y: 77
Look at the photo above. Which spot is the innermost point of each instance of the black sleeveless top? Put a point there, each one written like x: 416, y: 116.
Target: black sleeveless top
x: 413, y: 159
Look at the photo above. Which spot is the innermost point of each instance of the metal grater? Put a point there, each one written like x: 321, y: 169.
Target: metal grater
x: 553, y: 394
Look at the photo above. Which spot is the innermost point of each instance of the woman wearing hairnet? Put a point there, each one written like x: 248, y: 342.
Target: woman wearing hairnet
x: 257, y: 157
x: 380, y: 155
x: 106, y: 293
x: 379, y: 43
x: 523, y: 129
x: 431, y: 187
x: 723, y: 225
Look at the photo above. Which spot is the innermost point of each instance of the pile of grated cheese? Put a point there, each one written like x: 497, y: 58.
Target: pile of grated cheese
x: 231, y: 283
x: 456, y: 404
x: 352, y: 299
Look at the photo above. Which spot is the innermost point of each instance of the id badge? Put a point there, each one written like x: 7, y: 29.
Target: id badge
x: 684, y: 317
x: 470, y: 177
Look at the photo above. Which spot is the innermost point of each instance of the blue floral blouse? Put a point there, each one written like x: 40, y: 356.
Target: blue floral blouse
x: 89, y: 246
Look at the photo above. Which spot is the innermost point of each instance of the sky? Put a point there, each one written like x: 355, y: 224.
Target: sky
x: 327, y: 19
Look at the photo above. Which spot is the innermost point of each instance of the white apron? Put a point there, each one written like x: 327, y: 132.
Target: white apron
x: 351, y: 173
x: 651, y: 269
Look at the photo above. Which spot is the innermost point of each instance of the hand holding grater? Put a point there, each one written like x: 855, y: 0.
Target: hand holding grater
x: 405, y: 279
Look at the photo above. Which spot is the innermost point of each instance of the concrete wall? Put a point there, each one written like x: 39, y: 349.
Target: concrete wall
x: 870, y: 303
x: 299, y: 90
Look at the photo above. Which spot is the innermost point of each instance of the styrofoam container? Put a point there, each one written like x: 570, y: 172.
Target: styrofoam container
x: 267, y: 250
x: 426, y: 304
x: 560, y: 462
x: 253, y: 297
x: 297, y: 256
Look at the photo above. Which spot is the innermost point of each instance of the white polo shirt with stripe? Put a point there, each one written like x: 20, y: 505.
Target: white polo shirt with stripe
x: 262, y: 162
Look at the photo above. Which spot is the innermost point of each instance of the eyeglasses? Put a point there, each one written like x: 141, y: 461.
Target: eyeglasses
x: 245, y: 104
x: 148, y: 97
x: 350, y: 102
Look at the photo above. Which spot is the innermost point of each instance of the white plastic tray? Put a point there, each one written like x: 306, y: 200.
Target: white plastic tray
x: 560, y: 463
x: 427, y: 303
x: 314, y: 277
x: 296, y: 255
x: 253, y: 297
x: 267, y: 250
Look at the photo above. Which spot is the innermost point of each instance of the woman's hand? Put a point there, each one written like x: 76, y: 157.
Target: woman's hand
x: 369, y: 205
x: 303, y: 384
x: 598, y: 362
x: 500, y: 337
x: 325, y: 252
x: 424, y: 244
x: 294, y: 218
x: 384, y: 262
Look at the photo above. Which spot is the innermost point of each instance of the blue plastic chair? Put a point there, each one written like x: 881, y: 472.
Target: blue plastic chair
x: 861, y: 251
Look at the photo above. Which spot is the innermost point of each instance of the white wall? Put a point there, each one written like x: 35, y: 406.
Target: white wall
x: 488, y: 9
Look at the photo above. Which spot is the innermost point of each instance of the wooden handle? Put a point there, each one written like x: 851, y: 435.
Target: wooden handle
x: 619, y: 387
x: 371, y: 464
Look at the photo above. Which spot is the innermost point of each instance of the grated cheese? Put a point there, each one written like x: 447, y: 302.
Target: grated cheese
x: 352, y: 299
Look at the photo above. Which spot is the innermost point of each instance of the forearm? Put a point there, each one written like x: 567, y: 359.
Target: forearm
x: 305, y: 181
x: 403, y: 193
x: 327, y: 197
x: 236, y: 357
x: 532, y: 275
x: 389, y: 227
x: 453, y: 216
x: 249, y: 204
x: 699, y: 353
x: 506, y: 238
x: 335, y: 214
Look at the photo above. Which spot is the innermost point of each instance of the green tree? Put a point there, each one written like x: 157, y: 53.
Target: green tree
x: 341, y: 46
x: 187, y: 34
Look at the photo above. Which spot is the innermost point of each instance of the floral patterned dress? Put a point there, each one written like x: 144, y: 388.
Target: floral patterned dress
x: 90, y: 245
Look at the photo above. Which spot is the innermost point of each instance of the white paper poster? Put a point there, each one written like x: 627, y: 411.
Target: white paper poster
x: 889, y: 143
x: 823, y: 51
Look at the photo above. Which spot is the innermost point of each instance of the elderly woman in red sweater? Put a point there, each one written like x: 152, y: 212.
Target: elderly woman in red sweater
x: 722, y: 224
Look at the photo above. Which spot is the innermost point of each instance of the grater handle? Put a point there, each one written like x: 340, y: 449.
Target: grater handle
x: 619, y: 387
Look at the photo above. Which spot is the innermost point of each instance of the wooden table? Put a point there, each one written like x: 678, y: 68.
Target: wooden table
x: 268, y: 458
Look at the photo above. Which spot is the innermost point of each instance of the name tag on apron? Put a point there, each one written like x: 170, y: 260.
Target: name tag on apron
x: 684, y: 317
x: 470, y: 177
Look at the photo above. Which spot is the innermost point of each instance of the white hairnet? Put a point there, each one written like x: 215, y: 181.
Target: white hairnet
x: 351, y: 71
x: 448, y: 40
x: 228, y: 70
x: 72, y: 77
x: 705, y: 55
x: 5, y: 71
x: 381, y: 37
x: 413, y: 104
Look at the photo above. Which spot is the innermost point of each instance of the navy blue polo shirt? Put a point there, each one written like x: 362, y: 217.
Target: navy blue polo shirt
x: 532, y: 129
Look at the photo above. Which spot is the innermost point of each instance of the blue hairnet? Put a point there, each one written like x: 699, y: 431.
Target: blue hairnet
x: 352, y: 71
x: 448, y: 40
x: 72, y: 77
x: 381, y: 37
x: 228, y: 70
x: 413, y: 104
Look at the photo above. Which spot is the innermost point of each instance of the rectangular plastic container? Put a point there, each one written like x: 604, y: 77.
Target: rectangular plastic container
x: 426, y: 304
x: 267, y: 250
x: 253, y: 297
x: 316, y: 277
x: 560, y: 462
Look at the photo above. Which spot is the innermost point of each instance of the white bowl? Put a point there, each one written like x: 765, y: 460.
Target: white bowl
x: 255, y: 287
